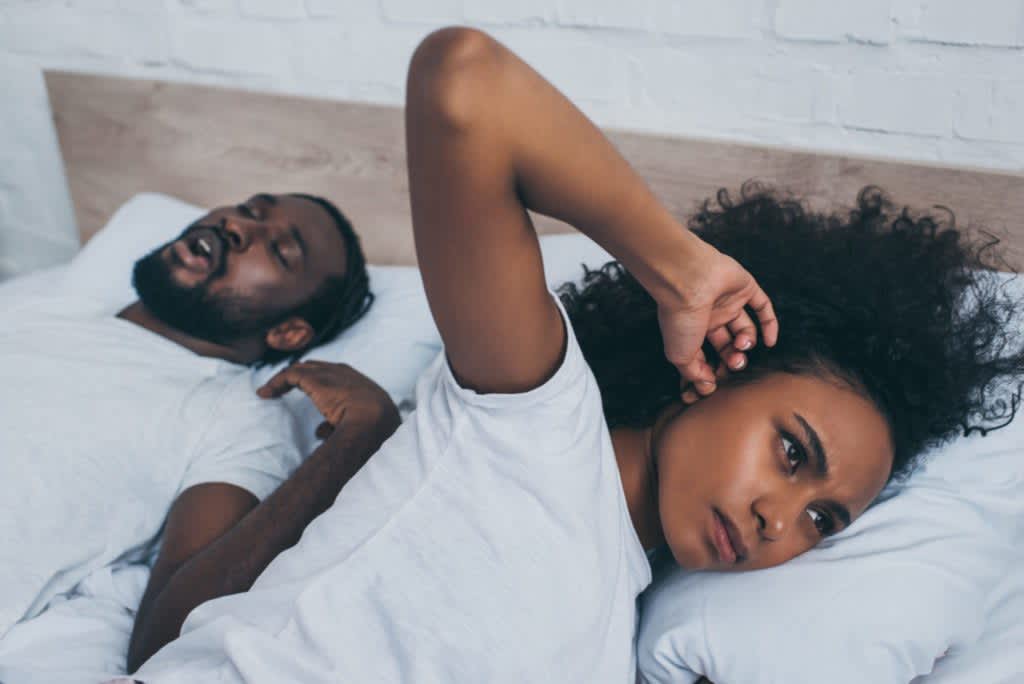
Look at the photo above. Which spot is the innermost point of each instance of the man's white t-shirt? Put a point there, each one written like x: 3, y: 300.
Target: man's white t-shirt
x: 487, y: 541
x: 102, y: 425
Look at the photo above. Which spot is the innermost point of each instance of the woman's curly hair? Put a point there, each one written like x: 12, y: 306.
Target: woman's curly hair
x: 896, y: 305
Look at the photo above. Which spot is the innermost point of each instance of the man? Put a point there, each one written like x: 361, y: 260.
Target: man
x: 115, y: 427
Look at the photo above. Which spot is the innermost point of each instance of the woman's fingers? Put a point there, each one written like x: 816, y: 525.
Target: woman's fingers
x: 762, y: 307
x: 723, y: 318
x: 722, y: 340
x: 743, y: 331
x: 683, y: 333
x: 698, y: 374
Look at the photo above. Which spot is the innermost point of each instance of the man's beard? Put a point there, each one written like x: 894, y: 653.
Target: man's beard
x: 221, y: 318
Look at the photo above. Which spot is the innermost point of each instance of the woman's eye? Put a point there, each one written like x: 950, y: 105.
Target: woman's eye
x: 246, y: 211
x: 795, y: 456
x: 822, y: 522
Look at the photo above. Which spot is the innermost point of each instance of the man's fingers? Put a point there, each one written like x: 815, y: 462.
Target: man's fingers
x: 296, y: 375
x: 278, y: 385
x: 324, y: 430
x: 762, y: 307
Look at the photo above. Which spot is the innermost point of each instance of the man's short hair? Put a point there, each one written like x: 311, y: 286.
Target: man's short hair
x: 340, y: 301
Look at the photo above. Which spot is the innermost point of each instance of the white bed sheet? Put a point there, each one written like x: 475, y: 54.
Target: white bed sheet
x: 82, y: 637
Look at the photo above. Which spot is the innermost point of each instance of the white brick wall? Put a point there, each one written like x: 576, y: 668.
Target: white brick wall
x: 932, y: 80
x: 997, y: 23
x: 831, y: 22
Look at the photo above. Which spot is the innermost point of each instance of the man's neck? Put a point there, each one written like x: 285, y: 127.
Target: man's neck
x: 639, y: 483
x: 138, y: 314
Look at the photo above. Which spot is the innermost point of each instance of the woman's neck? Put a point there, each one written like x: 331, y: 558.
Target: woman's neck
x: 639, y: 476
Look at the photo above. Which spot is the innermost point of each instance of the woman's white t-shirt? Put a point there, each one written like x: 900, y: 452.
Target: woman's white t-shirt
x: 487, y: 541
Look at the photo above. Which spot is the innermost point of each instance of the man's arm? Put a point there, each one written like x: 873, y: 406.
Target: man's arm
x: 204, y: 558
x: 198, y: 517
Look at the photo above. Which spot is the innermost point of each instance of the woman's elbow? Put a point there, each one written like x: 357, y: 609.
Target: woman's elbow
x: 452, y: 75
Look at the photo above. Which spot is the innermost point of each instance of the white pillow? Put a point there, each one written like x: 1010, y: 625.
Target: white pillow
x: 997, y: 655
x: 392, y: 344
x: 913, y: 578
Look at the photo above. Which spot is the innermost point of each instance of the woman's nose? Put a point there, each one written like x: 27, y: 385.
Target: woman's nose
x: 775, y: 517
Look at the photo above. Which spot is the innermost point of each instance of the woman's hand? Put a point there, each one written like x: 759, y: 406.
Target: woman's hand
x: 714, y: 297
x: 338, y: 391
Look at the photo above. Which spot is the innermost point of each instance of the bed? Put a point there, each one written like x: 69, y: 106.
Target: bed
x: 206, y: 145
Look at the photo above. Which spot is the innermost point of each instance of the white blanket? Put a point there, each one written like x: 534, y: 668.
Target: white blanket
x: 83, y: 635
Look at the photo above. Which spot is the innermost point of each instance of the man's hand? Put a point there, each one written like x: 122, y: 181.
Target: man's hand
x: 717, y: 293
x: 337, y: 390
x: 217, y: 543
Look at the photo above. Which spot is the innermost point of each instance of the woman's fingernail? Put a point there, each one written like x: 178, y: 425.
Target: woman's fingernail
x: 740, y: 364
x: 745, y: 344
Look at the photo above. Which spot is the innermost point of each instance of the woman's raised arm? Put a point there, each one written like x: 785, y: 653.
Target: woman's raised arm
x: 487, y: 139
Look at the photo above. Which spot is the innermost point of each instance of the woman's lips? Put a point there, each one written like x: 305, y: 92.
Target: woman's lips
x: 726, y: 540
x: 720, y: 540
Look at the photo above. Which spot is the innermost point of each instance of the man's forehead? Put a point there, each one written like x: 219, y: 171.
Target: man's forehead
x: 265, y: 197
x: 293, y: 203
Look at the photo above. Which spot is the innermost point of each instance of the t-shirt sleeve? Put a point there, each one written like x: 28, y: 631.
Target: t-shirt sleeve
x: 248, y: 442
x: 547, y: 418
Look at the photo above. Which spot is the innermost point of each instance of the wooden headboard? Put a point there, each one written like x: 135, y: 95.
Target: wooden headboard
x: 213, y: 146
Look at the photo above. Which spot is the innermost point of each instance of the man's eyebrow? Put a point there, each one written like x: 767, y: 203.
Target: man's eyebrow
x: 297, y: 236
x: 264, y: 197
x: 817, y: 450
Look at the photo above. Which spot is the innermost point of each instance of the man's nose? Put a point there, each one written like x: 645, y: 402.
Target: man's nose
x: 241, y: 232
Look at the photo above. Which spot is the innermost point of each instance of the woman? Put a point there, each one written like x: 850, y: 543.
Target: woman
x: 501, y: 534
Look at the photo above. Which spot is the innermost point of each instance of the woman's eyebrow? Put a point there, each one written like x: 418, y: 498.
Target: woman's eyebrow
x: 817, y: 450
x: 821, y: 468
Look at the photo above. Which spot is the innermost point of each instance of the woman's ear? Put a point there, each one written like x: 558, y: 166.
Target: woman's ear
x: 292, y: 335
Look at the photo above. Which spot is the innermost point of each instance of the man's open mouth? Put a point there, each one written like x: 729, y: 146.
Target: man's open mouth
x: 201, y: 250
